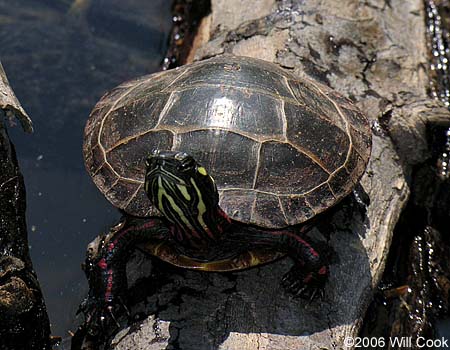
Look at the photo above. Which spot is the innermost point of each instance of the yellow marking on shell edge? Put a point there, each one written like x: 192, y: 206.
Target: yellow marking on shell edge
x: 200, y: 206
x: 254, y: 260
x: 184, y: 192
x: 168, y: 253
x: 202, y: 171
x: 162, y: 192
x: 157, y: 248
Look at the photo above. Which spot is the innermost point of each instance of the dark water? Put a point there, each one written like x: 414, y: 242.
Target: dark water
x: 60, y: 57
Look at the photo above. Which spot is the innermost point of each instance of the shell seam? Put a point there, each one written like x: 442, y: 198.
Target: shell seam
x: 258, y: 157
x: 240, y: 133
x: 347, y: 127
x: 103, y: 122
x: 164, y: 110
x: 275, y: 194
x: 284, y: 120
x: 283, y: 211
x: 178, y: 77
x: 133, y: 196
x: 253, y: 89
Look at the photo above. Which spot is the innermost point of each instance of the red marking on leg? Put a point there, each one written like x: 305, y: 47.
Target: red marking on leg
x: 221, y: 226
x: 194, y: 234
x: 179, y: 236
x: 147, y: 225
x: 210, y: 234
x: 176, y: 234
x: 307, y: 278
x: 298, y: 239
x: 109, y: 285
x: 221, y: 213
x: 323, y: 270
x: 102, y: 264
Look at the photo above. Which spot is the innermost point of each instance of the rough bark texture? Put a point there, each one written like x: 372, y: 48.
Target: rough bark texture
x: 371, y: 51
x: 23, y: 323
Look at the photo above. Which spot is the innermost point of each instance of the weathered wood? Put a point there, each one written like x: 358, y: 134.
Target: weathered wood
x: 23, y: 323
x: 373, y: 52
x: 10, y: 105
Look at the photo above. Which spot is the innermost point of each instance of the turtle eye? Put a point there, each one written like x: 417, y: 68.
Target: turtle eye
x: 187, y: 164
x: 150, y: 162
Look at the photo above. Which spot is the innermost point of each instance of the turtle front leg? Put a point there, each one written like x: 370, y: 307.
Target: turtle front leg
x: 106, y: 269
x: 308, y: 275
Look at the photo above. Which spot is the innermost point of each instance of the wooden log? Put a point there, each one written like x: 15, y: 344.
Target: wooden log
x: 373, y: 52
x: 24, y: 322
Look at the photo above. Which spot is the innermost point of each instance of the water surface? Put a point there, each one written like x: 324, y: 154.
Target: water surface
x: 60, y: 57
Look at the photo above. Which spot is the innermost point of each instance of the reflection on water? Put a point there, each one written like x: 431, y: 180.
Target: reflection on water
x: 60, y: 57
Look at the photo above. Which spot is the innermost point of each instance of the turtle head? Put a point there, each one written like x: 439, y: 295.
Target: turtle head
x: 181, y: 189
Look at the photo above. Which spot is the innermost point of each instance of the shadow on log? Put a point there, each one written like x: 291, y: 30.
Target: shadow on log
x: 24, y: 322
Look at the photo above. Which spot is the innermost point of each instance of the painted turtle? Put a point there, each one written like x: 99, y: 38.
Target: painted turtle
x: 281, y: 149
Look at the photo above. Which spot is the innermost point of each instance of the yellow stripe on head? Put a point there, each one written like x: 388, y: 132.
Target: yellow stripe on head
x: 174, y: 207
x: 200, y: 206
x: 184, y: 192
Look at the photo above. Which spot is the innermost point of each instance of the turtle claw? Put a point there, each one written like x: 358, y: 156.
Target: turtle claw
x: 100, y: 318
x: 301, y: 292
x: 316, y: 292
x: 100, y: 323
x: 111, y: 316
x: 306, y: 285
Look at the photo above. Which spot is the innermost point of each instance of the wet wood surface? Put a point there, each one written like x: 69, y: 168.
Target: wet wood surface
x: 24, y: 323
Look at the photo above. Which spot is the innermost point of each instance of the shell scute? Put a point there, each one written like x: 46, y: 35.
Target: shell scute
x: 316, y: 100
x: 95, y: 160
x: 355, y: 165
x: 296, y: 207
x: 225, y: 108
x: 239, y: 73
x: 326, y: 143
x: 139, y: 200
x: 321, y: 198
x: 281, y: 161
x: 234, y: 199
x: 268, y: 210
x: 211, y: 147
x: 128, y: 159
x: 126, y: 122
x: 360, y: 141
x: 356, y: 119
x: 122, y: 193
x: 106, y: 178
x: 341, y: 182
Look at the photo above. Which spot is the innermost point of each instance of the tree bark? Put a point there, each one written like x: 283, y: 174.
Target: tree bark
x: 373, y: 52
x: 24, y: 323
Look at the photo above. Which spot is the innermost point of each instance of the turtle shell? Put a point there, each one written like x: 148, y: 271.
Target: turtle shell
x: 280, y: 148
